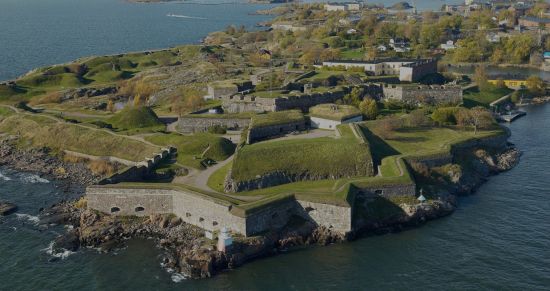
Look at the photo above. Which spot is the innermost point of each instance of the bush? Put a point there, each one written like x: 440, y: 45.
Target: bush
x: 217, y: 129
x: 445, y: 115
x: 102, y: 124
x: 100, y: 167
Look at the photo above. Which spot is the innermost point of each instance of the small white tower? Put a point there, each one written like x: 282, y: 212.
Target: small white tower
x: 224, y: 240
x: 421, y: 198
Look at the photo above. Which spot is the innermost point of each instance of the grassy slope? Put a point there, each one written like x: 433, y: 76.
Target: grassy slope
x: 317, y: 157
x: 274, y: 118
x: 191, y: 148
x: 93, y: 71
x: 473, y: 97
x: 40, y: 131
x: 135, y: 117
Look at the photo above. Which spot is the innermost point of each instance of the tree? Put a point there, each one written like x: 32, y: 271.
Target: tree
x: 137, y: 101
x: 110, y: 106
x: 536, y: 85
x: 477, y: 117
x: 369, y: 108
x: 190, y: 100
x: 500, y: 83
x: 445, y: 115
x: 354, y: 97
x: 480, y: 77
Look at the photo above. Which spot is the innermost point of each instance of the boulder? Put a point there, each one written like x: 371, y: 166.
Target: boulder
x: 7, y: 208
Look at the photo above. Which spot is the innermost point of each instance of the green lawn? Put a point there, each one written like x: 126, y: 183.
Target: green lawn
x: 275, y: 118
x: 217, y: 179
x: 192, y: 149
x: 473, y: 97
x: 40, y: 131
x: 318, y: 158
x: 352, y: 54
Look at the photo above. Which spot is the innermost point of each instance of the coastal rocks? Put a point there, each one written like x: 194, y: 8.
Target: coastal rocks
x: 88, y: 92
x: 508, y: 159
x: 7, y: 208
x: 41, y: 161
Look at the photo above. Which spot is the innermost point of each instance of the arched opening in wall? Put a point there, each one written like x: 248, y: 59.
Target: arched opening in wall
x: 187, y: 214
x: 275, y: 215
x: 297, y: 127
x: 280, y: 129
x: 214, y: 223
x: 201, y: 219
x: 309, y: 209
x: 115, y: 209
x: 139, y: 209
x: 378, y: 192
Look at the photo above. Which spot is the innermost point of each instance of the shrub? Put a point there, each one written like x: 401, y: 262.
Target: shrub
x: 218, y: 129
x: 53, y: 97
x: 445, y: 115
x: 68, y: 158
x: 81, y: 203
x: 100, y: 167
x: 101, y: 124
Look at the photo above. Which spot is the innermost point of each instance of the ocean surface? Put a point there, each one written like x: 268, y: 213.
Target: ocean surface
x: 35, y: 33
x: 498, y: 239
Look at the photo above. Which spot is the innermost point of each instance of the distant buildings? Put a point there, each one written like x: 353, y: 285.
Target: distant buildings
x: 350, y: 6
x: 449, y: 45
x: 534, y: 22
x: 408, y: 70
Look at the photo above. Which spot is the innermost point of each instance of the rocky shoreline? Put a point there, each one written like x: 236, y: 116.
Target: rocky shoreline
x: 188, y: 252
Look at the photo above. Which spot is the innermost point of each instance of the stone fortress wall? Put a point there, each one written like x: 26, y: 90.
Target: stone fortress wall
x: 213, y: 214
x: 260, y: 133
x: 194, y: 124
x: 437, y: 94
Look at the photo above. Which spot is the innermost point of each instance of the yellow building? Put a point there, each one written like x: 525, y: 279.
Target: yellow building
x: 512, y: 84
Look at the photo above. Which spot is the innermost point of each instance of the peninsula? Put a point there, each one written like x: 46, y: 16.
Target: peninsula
x: 336, y: 122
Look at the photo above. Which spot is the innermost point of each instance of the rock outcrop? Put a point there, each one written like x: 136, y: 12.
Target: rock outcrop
x: 7, y: 208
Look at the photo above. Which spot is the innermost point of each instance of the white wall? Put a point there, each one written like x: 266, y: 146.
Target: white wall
x: 323, y: 123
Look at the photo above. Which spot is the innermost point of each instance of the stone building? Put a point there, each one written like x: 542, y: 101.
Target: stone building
x: 407, y: 69
x: 219, y: 89
x: 415, y: 94
x: 328, y: 116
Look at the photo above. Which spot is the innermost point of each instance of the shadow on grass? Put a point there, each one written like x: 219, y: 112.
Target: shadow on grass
x: 410, y: 139
x: 379, y: 148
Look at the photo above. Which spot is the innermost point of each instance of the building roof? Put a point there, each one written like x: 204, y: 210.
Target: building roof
x: 536, y: 19
x: 334, y: 112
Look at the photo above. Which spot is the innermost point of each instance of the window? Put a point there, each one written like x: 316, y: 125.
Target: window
x: 115, y: 209
x: 378, y: 192
x: 139, y: 209
x: 201, y: 219
x: 187, y: 214
x: 214, y: 223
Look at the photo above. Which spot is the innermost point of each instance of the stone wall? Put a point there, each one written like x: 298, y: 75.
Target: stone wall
x: 415, y: 71
x: 211, y: 215
x: 127, y: 202
x: 192, y: 124
x: 337, y: 218
x: 259, y: 133
x: 388, y: 191
x: 249, y: 103
x: 436, y: 94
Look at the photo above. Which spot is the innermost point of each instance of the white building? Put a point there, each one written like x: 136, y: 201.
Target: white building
x: 449, y: 45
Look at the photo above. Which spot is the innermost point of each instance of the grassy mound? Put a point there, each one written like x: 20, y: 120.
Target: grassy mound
x: 318, y: 158
x: 276, y: 118
x: 40, y: 131
x: 474, y: 97
x: 134, y: 117
x: 194, y: 149
x: 66, y: 80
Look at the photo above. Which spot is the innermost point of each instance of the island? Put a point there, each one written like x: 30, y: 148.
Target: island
x: 255, y: 142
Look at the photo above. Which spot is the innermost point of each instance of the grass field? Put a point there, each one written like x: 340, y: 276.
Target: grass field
x: 93, y: 71
x: 275, y: 118
x: 131, y: 118
x: 473, y: 97
x: 317, y: 158
x: 40, y: 131
x: 192, y: 149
